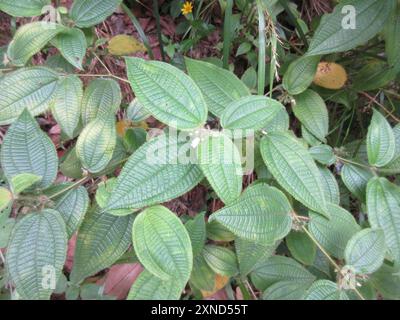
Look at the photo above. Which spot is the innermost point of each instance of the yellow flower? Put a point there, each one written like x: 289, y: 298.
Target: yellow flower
x: 187, y: 8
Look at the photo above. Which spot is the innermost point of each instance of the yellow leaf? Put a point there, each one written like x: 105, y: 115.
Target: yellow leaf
x: 123, y: 44
x: 220, y: 282
x: 330, y: 75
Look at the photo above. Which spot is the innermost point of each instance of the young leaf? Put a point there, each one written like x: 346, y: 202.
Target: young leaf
x: 221, y: 260
x: 323, y: 154
x: 30, y: 39
x: 279, y: 268
x: 311, y: 110
x: 219, y: 86
x: 343, y: 30
x: 87, y: 13
x: 300, y: 74
x: 27, y: 149
x: 96, y: 143
x: 154, y: 174
x: 220, y: 161
x: 102, y: 240
x: 23, y: 181
x: 72, y: 45
x: 38, y: 243
x: 101, y: 97
x: 66, y: 106
x: 196, y: 229
x: 294, y: 169
x: 330, y: 185
x: 383, y: 206
x: 261, y: 214
x: 23, y: 8
x: 381, y: 143
x: 365, y: 251
x: 325, y: 290
x: 149, y: 287
x: 253, y: 112
x: 169, y: 94
x: 162, y: 244
x: 103, y: 193
x: 124, y: 45
x: 355, y: 178
x: 334, y: 233
x: 36, y: 94
x: 301, y: 247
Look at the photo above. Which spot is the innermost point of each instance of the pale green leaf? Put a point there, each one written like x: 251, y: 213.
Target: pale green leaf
x: 387, y: 281
x: 286, y: 290
x: 221, y: 260
x: 23, y: 8
x: 355, y: 178
x: 393, y: 167
x: 323, y: 154
x: 196, y: 229
x: 23, y: 181
x: 87, y: 13
x: 5, y: 198
x: 103, y: 193
x: 136, y: 112
x: 167, y: 93
x: 325, y: 290
x: 217, y: 232
x: 38, y: 246
x: 330, y: 185
x: 27, y: 149
x: 220, y: 87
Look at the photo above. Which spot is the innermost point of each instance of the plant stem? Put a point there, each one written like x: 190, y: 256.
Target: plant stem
x: 227, y: 33
x: 77, y: 183
x: 160, y: 41
x: 103, y: 75
x: 261, y: 48
x: 139, y: 29
x: 372, y: 99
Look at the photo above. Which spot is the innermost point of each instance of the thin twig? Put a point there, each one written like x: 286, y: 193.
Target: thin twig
x: 372, y: 99
x: 77, y: 183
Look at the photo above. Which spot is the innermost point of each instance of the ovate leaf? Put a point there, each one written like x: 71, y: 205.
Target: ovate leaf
x: 344, y: 29
x: 162, y: 244
x: 325, y: 290
x: 253, y: 112
x: 96, y: 143
x: 102, y: 240
x: 168, y: 93
x: 261, y: 214
x: 330, y: 185
x: 196, y: 229
x: 294, y: 169
x: 23, y: 8
x: 66, y: 106
x: 23, y: 181
x: 355, y: 178
x: 38, y: 246
x: 220, y: 161
x: 30, y: 39
x: 219, y: 86
x: 301, y: 247
x: 154, y: 174
x: 381, y: 143
x: 221, y: 260
x: 323, y: 153
x: 365, y: 251
x: 202, y: 277
x: 87, y: 13
x: 311, y: 110
x: 27, y: 149
x: 31, y: 88
x: 383, y: 206
x: 123, y: 45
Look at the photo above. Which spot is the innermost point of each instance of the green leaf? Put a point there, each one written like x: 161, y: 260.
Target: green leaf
x: 217, y: 232
x: 72, y: 45
x: 220, y: 87
x: 103, y: 193
x: 294, y: 169
x: 355, y: 178
x: 249, y: 253
x: 162, y: 244
x: 381, y: 143
x: 323, y: 154
x: 102, y: 240
x: 220, y: 161
x: 365, y: 251
x: 96, y: 143
x: 66, y: 107
x: 325, y: 290
x: 6, y: 226
x: 221, y: 260
x: 330, y: 185
x: 279, y: 268
x: 387, y: 281
x: 393, y: 167
x: 311, y: 110
x: 202, y: 277
x: 167, y: 93
x: 154, y: 174
x: 392, y: 38
x: 87, y: 13
x: 369, y: 17
x: 383, y: 206
x: 301, y: 247
x: 149, y: 287
x: 37, y: 247
x: 23, y: 8
x: 334, y: 233
x: 72, y: 206
x: 300, y: 74
x: 196, y: 229
x: 27, y: 149
x: 252, y: 112
x: 5, y: 198
x: 261, y: 214
x: 101, y: 97
x: 32, y: 88
x: 136, y: 112
x: 30, y: 39
x: 23, y: 181
x: 286, y: 290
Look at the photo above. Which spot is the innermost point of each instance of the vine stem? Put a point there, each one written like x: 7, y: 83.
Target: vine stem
x: 326, y: 254
x: 75, y: 184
